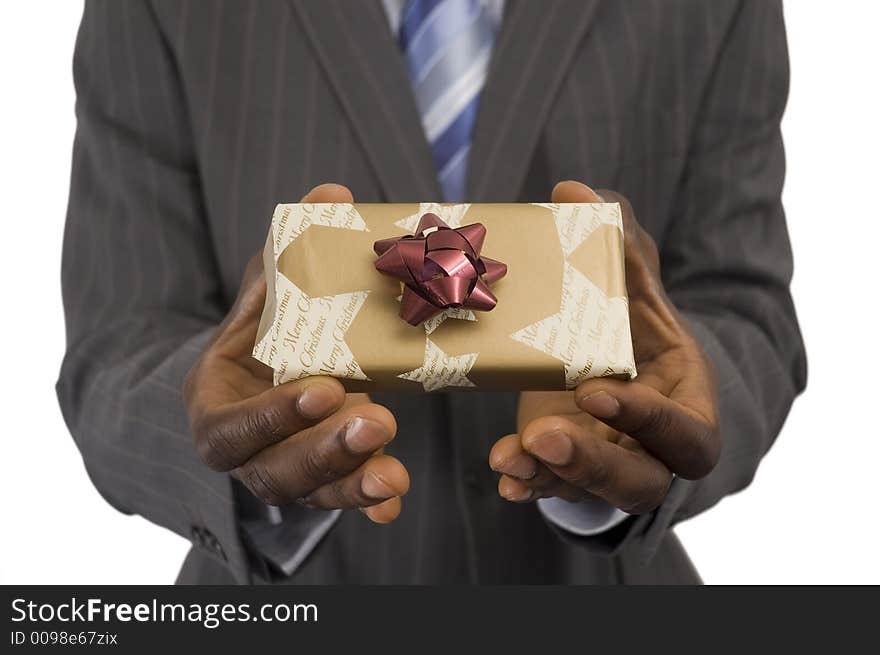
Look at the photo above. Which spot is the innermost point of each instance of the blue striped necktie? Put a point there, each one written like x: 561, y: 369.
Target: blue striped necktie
x: 446, y: 44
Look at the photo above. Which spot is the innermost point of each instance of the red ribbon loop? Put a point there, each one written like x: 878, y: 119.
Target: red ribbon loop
x: 440, y: 267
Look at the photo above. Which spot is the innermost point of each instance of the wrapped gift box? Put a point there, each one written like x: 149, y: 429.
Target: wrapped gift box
x: 561, y: 314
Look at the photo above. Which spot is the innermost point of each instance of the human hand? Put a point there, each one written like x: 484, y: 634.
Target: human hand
x: 306, y: 441
x: 620, y: 441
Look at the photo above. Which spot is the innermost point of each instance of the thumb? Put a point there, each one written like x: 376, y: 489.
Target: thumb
x: 329, y: 192
x: 572, y: 191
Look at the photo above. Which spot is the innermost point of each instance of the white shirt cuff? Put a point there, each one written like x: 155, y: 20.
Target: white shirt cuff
x: 587, y: 518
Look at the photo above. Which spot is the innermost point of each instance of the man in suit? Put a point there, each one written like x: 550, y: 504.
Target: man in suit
x: 195, y: 119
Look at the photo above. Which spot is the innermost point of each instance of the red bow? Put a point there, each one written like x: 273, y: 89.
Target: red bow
x: 440, y: 267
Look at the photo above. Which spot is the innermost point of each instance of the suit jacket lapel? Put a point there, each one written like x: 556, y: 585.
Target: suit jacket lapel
x: 362, y: 61
x: 532, y: 54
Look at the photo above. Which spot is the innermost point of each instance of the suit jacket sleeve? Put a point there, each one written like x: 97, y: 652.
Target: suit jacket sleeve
x: 140, y: 283
x: 727, y: 265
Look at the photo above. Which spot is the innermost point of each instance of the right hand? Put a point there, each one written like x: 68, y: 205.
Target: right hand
x: 305, y: 441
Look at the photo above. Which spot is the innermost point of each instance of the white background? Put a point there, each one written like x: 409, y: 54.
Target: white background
x: 811, y: 515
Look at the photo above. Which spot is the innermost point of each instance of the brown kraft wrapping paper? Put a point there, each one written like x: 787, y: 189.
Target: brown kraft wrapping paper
x: 562, y: 314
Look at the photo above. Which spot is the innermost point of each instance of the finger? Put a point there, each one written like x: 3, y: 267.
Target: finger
x: 229, y: 435
x: 329, y: 192
x: 318, y: 455
x: 572, y: 191
x: 515, y: 490
x: 544, y: 483
x: 631, y: 480
x: 383, y: 512
x: 686, y: 440
x: 523, y: 491
x: 507, y: 456
x: 379, y: 478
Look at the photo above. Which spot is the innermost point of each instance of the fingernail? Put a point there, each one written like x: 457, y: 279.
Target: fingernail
x: 553, y: 447
x: 364, y: 435
x: 315, y: 402
x: 600, y: 404
x: 375, y: 487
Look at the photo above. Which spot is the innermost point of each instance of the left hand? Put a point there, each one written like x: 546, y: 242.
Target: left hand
x: 620, y: 441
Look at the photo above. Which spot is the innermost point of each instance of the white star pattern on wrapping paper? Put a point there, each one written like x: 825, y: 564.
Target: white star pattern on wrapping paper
x: 439, y: 370
x: 573, y: 228
x: 452, y: 215
x: 311, y: 330
x: 566, y: 335
x: 453, y: 312
x: 307, y: 336
x: 460, y: 313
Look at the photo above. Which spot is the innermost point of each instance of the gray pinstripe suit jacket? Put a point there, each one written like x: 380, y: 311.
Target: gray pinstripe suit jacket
x: 196, y: 118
